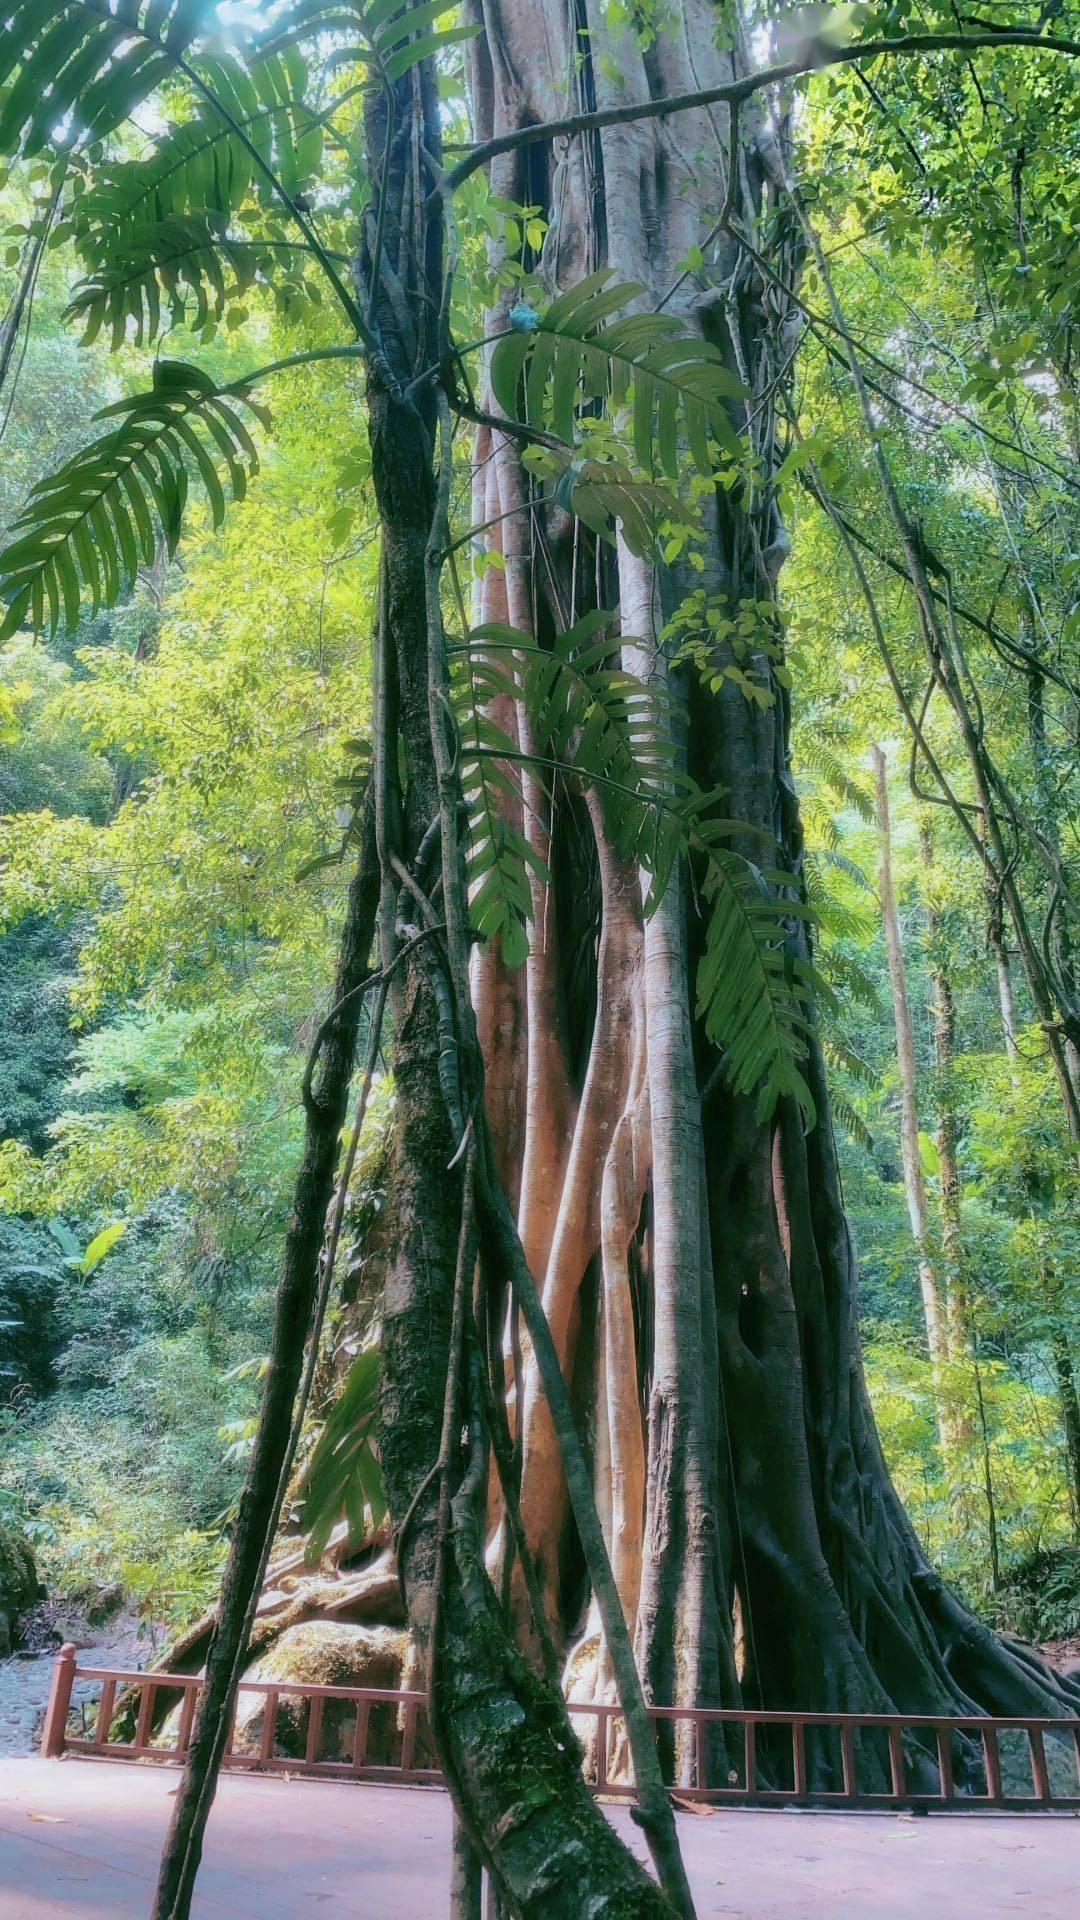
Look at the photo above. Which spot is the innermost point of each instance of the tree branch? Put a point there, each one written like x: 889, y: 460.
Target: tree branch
x: 818, y: 53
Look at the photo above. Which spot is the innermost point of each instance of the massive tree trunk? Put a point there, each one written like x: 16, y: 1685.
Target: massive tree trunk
x: 523, y: 1812
x: 692, y: 1253
x: 713, y: 1326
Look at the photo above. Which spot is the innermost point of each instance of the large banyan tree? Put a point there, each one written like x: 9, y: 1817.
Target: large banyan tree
x: 624, y: 1434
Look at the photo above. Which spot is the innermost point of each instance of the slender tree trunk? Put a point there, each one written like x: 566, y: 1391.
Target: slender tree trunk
x: 265, y: 1484
x: 934, y: 1310
x: 960, y: 1306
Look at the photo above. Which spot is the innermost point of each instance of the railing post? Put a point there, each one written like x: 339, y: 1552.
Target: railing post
x: 54, y: 1732
x: 602, y: 1722
x: 798, y: 1758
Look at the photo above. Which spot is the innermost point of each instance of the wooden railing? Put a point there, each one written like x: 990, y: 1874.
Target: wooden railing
x: 738, y: 1756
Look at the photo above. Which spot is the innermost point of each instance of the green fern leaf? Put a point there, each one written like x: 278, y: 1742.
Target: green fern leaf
x: 610, y: 498
x: 378, y: 36
x: 847, y: 976
x: 754, y: 988
x: 820, y: 761
x: 578, y: 350
x: 88, y: 62
x: 844, y: 919
x: 594, y: 722
x: 343, y: 1475
x: 206, y: 167
x: 87, y: 527
x: 173, y: 271
x: 845, y: 1110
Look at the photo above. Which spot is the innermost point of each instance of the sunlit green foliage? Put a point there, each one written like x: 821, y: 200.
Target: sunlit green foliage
x: 174, y: 755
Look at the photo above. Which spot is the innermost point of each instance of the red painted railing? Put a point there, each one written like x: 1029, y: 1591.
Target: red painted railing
x: 739, y: 1757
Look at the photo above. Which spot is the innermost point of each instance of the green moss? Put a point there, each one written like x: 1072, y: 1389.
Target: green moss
x: 19, y: 1585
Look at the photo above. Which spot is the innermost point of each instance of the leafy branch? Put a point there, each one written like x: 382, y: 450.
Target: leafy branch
x: 88, y: 527
x: 819, y: 51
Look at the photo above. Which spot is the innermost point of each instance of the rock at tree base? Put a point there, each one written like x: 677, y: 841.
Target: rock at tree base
x: 326, y: 1653
x: 329, y: 1654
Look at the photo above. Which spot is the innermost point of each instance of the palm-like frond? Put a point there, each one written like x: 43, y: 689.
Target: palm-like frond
x: 594, y: 721
x: 208, y: 166
x: 819, y: 760
x: 847, y: 976
x: 88, y: 527
x: 88, y: 63
x: 754, y: 986
x: 378, y: 35
x: 845, y: 1110
x: 343, y: 1475
x: 174, y: 271
x: 499, y: 857
x: 844, y: 919
x: 577, y: 350
x: 842, y: 1057
x: 611, y: 499
x: 179, y: 263
x: 589, y: 716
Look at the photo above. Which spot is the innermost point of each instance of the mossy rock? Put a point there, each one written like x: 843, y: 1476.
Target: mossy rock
x: 19, y: 1585
x: 327, y: 1653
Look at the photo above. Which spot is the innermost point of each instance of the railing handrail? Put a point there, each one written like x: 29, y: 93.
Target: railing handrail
x: 409, y: 1704
x: 760, y: 1716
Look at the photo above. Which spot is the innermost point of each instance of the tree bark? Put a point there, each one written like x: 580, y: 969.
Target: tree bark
x: 762, y: 1436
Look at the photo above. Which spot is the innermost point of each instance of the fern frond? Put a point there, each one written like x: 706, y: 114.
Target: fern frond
x: 343, y: 1475
x: 611, y: 499
x: 498, y: 857
x: 754, y: 987
x: 845, y: 1110
x: 844, y: 919
x: 576, y: 350
x: 205, y: 166
x: 588, y: 718
x: 841, y: 1053
x: 847, y: 976
x: 88, y: 527
x: 88, y: 63
x: 827, y: 768
x: 378, y: 35
x: 174, y: 270
x: 832, y: 857
x: 588, y: 715
x: 594, y: 721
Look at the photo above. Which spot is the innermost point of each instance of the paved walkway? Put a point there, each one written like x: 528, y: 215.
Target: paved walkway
x: 25, y: 1677
x: 82, y: 1838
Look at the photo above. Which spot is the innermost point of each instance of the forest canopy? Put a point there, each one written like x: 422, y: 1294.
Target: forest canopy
x: 539, y: 703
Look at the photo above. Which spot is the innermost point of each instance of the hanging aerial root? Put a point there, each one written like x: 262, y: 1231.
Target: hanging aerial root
x: 652, y: 1809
